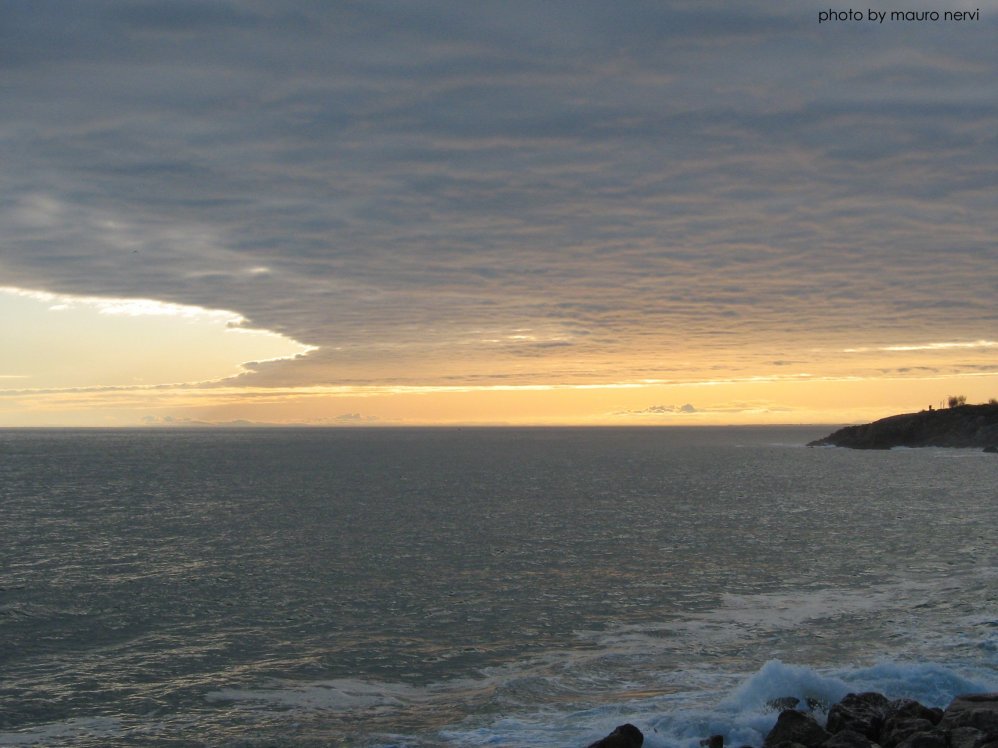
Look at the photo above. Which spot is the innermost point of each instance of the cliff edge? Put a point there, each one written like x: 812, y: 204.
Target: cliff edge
x: 966, y: 426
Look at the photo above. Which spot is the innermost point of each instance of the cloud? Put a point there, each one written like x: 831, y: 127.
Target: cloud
x: 355, y: 419
x: 731, y: 408
x: 944, y: 346
x: 382, y: 180
x: 127, y: 307
x: 184, y: 422
x: 658, y: 410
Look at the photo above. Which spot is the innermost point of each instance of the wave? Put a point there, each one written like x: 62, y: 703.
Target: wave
x: 684, y: 679
x: 743, y: 715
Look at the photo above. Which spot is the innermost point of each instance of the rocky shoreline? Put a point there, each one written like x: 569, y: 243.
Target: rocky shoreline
x: 963, y: 426
x: 864, y: 720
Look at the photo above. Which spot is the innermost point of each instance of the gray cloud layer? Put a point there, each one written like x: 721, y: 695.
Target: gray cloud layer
x: 446, y: 191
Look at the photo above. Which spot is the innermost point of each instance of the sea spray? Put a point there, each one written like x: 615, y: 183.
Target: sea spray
x: 744, y: 715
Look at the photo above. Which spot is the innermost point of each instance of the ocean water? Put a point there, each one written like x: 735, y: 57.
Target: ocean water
x: 478, y: 587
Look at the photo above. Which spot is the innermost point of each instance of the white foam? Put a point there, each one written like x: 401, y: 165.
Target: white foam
x: 333, y: 695
x: 775, y: 680
x: 930, y: 683
x: 749, y: 620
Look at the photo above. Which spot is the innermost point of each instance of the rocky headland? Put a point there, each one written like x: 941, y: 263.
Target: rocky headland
x: 966, y: 426
x: 864, y: 720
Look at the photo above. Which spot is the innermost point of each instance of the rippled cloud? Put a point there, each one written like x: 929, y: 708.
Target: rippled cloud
x: 446, y: 193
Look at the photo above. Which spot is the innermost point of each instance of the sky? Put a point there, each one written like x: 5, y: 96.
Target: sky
x: 380, y: 212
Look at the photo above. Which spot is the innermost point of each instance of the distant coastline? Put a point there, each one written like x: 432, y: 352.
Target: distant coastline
x: 960, y: 426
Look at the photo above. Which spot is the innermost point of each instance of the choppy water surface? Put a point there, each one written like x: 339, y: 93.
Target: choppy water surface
x: 478, y: 587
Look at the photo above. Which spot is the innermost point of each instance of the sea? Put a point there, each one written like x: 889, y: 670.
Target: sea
x: 535, y: 587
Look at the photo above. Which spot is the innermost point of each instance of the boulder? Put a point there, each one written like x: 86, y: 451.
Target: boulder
x: 934, y: 739
x: 860, y: 712
x: 964, y: 737
x: 899, y: 727
x: 624, y: 736
x: 848, y: 739
x: 974, y: 710
x: 912, y: 708
x: 796, y: 727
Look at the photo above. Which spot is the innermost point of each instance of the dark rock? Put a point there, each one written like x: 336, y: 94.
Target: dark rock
x: 714, y: 741
x: 860, y: 712
x: 963, y: 737
x: 848, y: 739
x: 796, y: 727
x: 899, y: 727
x: 992, y: 449
x: 962, y: 426
x: 624, y: 736
x: 924, y: 740
x: 976, y: 710
x: 913, y: 709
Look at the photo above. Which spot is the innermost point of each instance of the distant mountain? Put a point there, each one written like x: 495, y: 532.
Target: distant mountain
x: 962, y: 426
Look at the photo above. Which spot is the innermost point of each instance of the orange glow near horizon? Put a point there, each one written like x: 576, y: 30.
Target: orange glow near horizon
x: 735, y: 403
x: 117, y: 362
